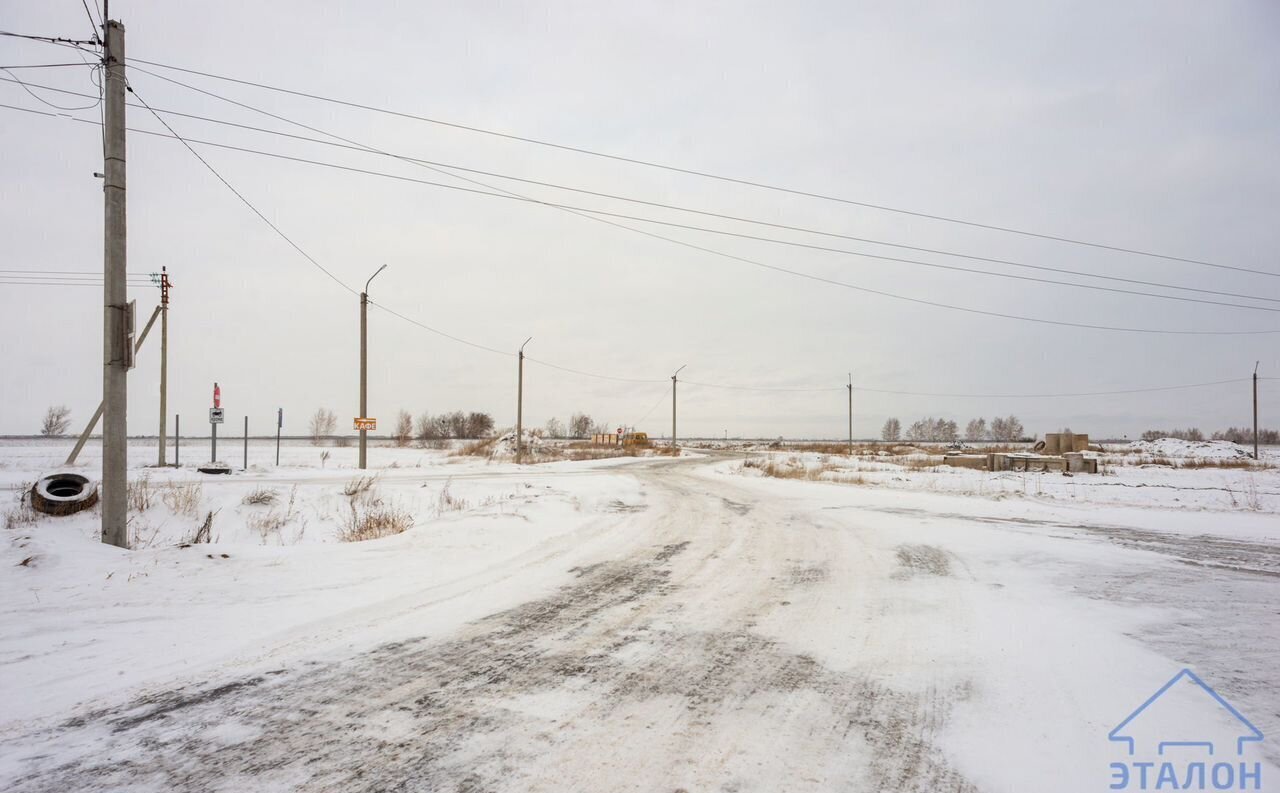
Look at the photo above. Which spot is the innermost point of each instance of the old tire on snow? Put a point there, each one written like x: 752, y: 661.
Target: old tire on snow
x: 63, y: 494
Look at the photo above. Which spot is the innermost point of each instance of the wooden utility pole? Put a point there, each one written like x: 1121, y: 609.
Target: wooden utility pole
x: 520, y: 403
x: 1255, y: 409
x: 673, y: 406
x: 115, y: 357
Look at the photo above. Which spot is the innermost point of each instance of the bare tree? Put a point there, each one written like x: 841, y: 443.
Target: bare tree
x: 455, y: 424
x: 947, y: 431
x: 892, y: 430
x: 404, y: 429
x: 1006, y: 428
x: 479, y: 425
x: 976, y: 430
x: 579, y: 425
x: 56, y: 421
x: 323, y: 424
x: 554, y: 428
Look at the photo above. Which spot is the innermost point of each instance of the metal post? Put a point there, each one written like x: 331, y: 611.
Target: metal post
x: 246, y: 444
x: 164, y: 362
x: 115, y: 372
x: 1255, y: 410
x: 177, y: 437
x: 673, y: 406
x: 97, y: 414
x: 520, y: 404
x: 851, y: 413
x: 364, y: 364
x: 213, y: 436
x: 279, y: 424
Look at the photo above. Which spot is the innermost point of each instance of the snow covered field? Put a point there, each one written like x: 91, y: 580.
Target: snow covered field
x: 631, y: 624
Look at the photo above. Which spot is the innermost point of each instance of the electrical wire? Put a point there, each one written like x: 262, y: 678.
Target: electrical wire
x: 717, y: 177
x: 14, y: 78
x: 599, y: 215
x: 93, y: 24
x: 240, y: 195
x: 706, y: 213
x: 43, y: 65
x: 590, y: 213
x: 634, y: 380
x: 595, y: 214
x: 649, y: 412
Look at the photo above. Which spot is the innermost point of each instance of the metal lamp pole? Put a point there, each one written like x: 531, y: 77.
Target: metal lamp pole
x: 364, y: 364
x: 673, y: 405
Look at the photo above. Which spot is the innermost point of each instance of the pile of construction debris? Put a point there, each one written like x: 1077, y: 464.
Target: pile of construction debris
x: 1059, y: 451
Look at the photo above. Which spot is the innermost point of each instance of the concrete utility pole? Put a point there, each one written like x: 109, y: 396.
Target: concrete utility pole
x: 164, y: 362
x: 1255, y: 409
x: 851, y: 413
x: 520, y: 404
x: 673, y: 405
x: 364, y: 364
x: 115, y: 371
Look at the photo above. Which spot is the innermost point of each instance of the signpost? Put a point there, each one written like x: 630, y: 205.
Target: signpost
x: 366, y: 425
x: 215, y: 418
x: 279, y: 425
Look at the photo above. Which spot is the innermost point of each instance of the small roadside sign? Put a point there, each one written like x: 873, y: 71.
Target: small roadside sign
x: 366, y: 424
x: 217, y: 396
x: 215, y: 415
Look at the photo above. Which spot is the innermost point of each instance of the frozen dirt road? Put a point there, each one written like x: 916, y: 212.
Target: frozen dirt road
x: 721, y: 633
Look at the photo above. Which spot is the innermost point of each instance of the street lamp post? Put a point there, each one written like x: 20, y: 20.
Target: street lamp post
x: 673, y: 405
x: 364, y: 364
x: 520, y: 404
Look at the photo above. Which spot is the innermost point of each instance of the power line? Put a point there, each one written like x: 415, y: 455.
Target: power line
x: 49, y: 39
x: 43, y: 65
x: 93, y: 24
x: 590, y: 213
x: 705, y: 213
x: 14, y: 79
x: 717, y: 177
x: 240, y: 195
x: 597, y: 213
x: 892, y: 392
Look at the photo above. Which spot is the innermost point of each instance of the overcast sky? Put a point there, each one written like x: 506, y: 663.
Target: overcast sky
x: 1143, y: 125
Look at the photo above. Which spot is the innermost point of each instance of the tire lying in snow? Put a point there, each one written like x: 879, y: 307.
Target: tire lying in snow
x: 63, y: 494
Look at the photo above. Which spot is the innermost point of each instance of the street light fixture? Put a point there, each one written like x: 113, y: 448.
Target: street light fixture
x: 364, y: 365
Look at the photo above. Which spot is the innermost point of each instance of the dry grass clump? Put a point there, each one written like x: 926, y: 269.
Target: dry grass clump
x: 260, y: 496
x: 359, y: 485
x: 370, y: 518
x: 477, y: 448
x: 273, y: 522
x: 795, y: 468
x: 23, y: 514
x: 183, y: 498
x: 141, y: 495
x: 1239, y: 463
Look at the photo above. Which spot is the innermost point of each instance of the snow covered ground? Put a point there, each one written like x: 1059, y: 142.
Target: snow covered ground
x: 633, y: 624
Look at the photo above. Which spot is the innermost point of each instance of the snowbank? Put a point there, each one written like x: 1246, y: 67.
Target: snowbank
x: 1204, y: 450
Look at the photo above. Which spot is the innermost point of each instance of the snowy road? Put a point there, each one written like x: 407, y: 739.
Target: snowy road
x: 724, y: 633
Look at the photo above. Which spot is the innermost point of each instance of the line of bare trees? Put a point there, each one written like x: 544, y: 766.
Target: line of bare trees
x: 427, y: 427
x: 1241, y: 435
x: 580, y: 426
x: 1001, y: 429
